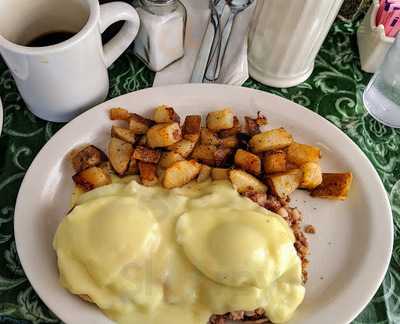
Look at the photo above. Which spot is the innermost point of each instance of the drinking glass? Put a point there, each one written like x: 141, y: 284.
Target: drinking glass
x: 382, y: 95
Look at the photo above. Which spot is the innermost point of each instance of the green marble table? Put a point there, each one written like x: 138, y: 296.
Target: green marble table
x: 334, y: 91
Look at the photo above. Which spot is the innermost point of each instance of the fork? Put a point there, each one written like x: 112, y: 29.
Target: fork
x: 211, y: 41
x: 216, y: 61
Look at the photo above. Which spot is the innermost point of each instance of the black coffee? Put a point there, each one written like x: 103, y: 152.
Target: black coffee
x: 51, y: 38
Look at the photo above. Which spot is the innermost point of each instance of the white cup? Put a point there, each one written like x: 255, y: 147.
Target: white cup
x: 58, y: 82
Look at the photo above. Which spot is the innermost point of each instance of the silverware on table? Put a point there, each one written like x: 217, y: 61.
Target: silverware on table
x: 217, y: 56
x: 211, y: 41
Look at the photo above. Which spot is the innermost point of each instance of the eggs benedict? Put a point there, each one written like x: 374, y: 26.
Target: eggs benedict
x: 151, y: 255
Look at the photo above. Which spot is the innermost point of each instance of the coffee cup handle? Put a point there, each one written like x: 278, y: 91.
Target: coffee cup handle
x: 110, y: 13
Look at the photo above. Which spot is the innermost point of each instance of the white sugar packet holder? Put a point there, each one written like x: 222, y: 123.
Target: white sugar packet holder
x: 373, y: 44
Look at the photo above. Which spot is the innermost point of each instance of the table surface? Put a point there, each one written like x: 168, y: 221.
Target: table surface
x: 334, y: 91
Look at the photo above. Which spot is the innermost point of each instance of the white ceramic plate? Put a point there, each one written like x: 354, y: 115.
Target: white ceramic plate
x: 350, y: 252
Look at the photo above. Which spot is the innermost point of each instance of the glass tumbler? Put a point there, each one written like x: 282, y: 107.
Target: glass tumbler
x: 382, y: 95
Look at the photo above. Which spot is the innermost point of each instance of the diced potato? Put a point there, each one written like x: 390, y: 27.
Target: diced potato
x: 204, y: 174
x: 334, y: 186
x: 163, y: 135
x: 252, y: 128
x: 231, y: 131
x: 106, y: 166
x: 231, y: 142
x: 205, y: 154
x: 165, y: 114
x: 87, y: 157
x: 139, y: 124
x: 283, y: 184
x: 133, y: 167
x: 275, y: 161
x: 124, y: 134
x: 245, y: 182
x: 220, y: 174
x: 300, y: 154
x: 312, y: 175
x: 220, y: 120
x: 119, y: 114
x: 253, y: 125
x: 223, y: 155
x: 191, y: 128
x: 271, y: 140
x: 91, y: 178
x: 160, y: 173
x: 181, y: 173
x: 169, y: 158
x: 261, y: 119
x: 209, y: 138
x: 142, y: 140
x: 183, y: 147
x: 148, y: 174
x: 247, y: 161
x: 119, y: 153
x: 146, y: 154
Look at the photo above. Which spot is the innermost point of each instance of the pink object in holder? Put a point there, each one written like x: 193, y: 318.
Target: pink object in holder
x: 388, y: 16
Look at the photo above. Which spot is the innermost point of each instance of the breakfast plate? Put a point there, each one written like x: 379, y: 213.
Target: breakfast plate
x: 350, y: 252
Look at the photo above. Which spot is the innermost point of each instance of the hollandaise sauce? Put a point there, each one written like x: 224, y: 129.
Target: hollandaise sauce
x: 155, y: 256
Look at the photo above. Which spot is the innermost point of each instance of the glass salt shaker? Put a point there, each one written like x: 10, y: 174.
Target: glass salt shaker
x: 382, y: 95
x: 160, y: 41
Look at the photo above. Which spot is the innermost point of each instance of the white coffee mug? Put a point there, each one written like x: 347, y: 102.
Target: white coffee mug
x: 58, y: 82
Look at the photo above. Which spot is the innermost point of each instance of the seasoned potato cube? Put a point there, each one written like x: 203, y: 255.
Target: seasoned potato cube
x: 271, y: 140
x: 275, y: 161
x: 209, y: 138
x: 231, y: 131
x: 139, y: 124
x: 165, y: 114
x: 245, y: 182
x: 302, y: 153
x: 191, y: 128
x: 181, y: 173
x: 142, y: 140
x: 205, y: 154
x: 253, y: 125
x: 146, y: 154
x: 148, y: 174
x: 133, y: 167
x: 220, y: 120
x: 106, y: 166
x: 119, y: 153
x: 231, y: 142
x: 261, y: 120
x: 283, y: 184
x: 220, y: 174
x: 252, y: 128
x: 334, y: 186
x: 163, y: 135
x: 91, y: 178
x: 160, y: 173
x: 124, y: 134
x: 204, y: 174
x: 247, y: 161
x: 223, y: 155
x: 169, y: 158
x: 119, y: 114
x: 183, y: 147
x: 312, y: 175
x: 87, y: 157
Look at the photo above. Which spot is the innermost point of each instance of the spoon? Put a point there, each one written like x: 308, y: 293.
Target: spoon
x: 211, y: 41
x: 216, y: 61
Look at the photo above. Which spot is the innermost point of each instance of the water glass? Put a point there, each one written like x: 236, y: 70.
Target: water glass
x: 382, y: 95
